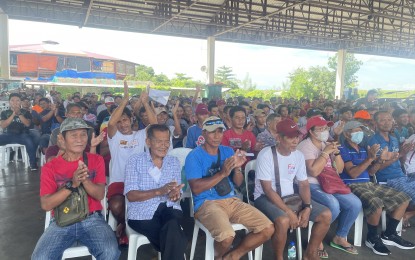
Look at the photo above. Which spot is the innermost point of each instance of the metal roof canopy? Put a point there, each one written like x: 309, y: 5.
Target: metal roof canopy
x: 377, y: 27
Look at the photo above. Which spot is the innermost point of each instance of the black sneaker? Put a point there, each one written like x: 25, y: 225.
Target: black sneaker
x: 377, y: 246
x: 395, y: 240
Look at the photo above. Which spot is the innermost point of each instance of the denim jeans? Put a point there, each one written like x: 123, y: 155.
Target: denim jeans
x: 23, y: 139
x: 44, y: 140
x: 345, y: 206
x: 35, y: 135
x: 93, y: 232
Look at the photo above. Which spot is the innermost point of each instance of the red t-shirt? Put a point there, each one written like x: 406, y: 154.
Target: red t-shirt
x: 234, y: 140
x: 58, y: 171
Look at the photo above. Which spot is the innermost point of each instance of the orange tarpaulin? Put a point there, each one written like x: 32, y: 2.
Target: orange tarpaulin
x: 27, y: 62
x: 48, y: 62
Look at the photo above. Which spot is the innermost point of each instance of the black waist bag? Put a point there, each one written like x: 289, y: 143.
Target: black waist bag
x: 223, y: 187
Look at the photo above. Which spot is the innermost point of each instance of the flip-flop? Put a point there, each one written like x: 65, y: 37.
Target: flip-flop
x: 348, y: 249
x: 322, y: 253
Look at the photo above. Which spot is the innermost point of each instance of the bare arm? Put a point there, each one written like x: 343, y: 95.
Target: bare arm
x: 139, y: 195
x: 51, y: 201
x: 116, y: 115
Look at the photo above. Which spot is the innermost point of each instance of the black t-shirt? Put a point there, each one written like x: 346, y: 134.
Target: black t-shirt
x: 16, y: 126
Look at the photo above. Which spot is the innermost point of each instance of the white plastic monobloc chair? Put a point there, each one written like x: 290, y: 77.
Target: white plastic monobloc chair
x: 251, y: 165
x: 135, y: 239
x: 112, y: 222
x: 210, y: 250
x: 77, y: 250
x: 8, y: 148
x: 181, y: 154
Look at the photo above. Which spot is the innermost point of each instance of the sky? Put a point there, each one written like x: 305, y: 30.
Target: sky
x: 268, y: 67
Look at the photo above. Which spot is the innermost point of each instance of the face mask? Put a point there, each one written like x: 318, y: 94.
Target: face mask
x: 357, y: 137
x: 324, y: 136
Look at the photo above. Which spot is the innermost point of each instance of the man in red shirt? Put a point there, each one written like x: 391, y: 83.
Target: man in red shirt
x: 237, y: 137
x: 64, y: 175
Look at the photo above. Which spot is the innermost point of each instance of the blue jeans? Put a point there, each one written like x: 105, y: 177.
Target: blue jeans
x: 44, y: 140
x: 345, y: 206
x: 23, y: 139
x: 93, y: 232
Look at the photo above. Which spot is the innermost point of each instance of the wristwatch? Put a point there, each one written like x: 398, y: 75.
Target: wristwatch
x: 68, y: 185
x: 307, y: 206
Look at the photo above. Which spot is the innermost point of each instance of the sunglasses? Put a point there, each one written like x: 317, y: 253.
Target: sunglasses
x: 214, y: 122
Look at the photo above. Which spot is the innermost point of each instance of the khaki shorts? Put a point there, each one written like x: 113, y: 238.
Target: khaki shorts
x: 217, y: 216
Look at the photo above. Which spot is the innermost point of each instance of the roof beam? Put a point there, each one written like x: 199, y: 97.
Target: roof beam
x: 175, y: 16
x: 261, y: 18
x: 88, y: 11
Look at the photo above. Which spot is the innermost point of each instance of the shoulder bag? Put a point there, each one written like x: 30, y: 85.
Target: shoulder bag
x: 331, y: 183
x: 75, y: 207
x: 293, y: 201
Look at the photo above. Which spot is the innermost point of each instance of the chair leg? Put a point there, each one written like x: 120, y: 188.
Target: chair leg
x: 310, y: 227
x: 258, y: 252
x: 210, y: 248
x: 132, y: 248
x: 250, y: 252
x: 194, y: 241
x: 299, y: 244
x: 358, y: 229
x: 399, y: 227
x: 383, y: 220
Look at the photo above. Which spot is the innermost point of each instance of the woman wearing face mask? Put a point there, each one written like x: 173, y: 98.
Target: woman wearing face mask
x: 320, y: 154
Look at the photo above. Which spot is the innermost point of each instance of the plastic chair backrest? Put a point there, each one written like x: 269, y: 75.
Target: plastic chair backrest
x: 181, y: 154
x: 251, y: 165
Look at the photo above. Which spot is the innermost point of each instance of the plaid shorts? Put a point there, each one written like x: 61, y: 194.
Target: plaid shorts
x: 375, y: 196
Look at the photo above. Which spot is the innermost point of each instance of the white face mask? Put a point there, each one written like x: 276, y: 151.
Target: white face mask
x: 323, y: 136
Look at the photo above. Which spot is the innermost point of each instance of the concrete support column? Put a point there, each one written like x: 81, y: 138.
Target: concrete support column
x: 4, y: 46
x: 341, y: 62
x: 211, y: 59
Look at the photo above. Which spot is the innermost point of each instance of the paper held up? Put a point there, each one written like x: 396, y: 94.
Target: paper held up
x: 160, y: 96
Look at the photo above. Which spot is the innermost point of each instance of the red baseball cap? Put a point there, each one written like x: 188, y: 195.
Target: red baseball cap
x: 288, y: 128
x: 220, y: 102
x: 317, y: 121
x: 202, y: 109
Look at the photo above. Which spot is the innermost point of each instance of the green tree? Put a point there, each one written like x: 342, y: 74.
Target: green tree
x: 225, y: 75
x: 352, y: 66
x: 321, y: 80
x: 144, y: 73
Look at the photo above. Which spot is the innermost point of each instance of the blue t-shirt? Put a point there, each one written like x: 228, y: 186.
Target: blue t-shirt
x: 394, y: 170
x: 402, y: 134
x: 349, y: 154
x: 194, y: 137
x: 198, y: 162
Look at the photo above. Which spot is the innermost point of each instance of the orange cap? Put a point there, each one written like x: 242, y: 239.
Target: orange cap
x: 362, y: 114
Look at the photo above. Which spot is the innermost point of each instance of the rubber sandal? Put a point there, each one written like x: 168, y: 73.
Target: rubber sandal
x: 348, y: 249
x: 322, y: 253
x: 123, y: 241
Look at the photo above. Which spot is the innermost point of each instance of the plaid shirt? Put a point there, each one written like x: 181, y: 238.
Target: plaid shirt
x: 137, y: 177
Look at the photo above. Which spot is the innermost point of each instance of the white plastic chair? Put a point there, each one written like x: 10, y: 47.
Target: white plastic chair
x: 184, y: 141
x: 112, y: 222
x: 251, y: 165
x: 5, y: 153
x: 209, y: 249
x: 77, y: 250
x: 384, y: 218
x: 181, y: 154
x: 358, y: 229
x: 135, y: 239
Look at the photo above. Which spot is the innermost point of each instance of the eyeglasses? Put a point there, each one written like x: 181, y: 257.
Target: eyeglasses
x: 161, y: 142
x: 214, y: 122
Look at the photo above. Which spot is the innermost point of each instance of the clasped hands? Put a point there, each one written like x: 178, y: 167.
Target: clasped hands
x: 172, y: 189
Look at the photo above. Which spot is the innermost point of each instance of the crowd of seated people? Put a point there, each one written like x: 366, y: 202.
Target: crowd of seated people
x: 368, y: 145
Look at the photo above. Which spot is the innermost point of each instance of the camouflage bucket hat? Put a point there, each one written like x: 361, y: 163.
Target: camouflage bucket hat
x: 73, y: 124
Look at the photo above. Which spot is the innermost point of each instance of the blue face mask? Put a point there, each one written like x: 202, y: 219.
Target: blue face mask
x: 357, y: 137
